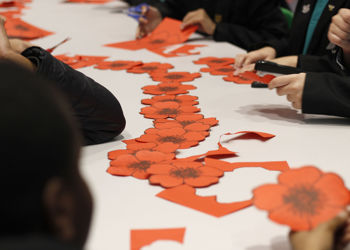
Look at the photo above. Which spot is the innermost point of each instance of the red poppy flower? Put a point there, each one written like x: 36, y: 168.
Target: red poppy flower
x: 177, y: 173
x: 167, y: 89
x: 253, y: 76
x: 174, y: 76
x: 190, y: 122
x: 136, y: 164
x: 237, y: 79
x: 177, y: 136
x: 167, y: 109
x: 215, y: 61
x: 303, y: 198
x: 167, y: 147
x: 117, y: 65
x: 151, y: 67
x: 183, y: 100
x: 221, y: 70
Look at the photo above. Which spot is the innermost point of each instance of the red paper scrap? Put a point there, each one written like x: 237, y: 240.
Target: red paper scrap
x: 230, y: 166
x: 17, y: 28
x: 303, y: 198
x: 186, y: 196
x: 168, y: 32
x: 215, y: 61
x: 144, y: 237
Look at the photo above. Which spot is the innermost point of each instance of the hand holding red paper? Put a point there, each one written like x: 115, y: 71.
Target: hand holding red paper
x: 152, y: 18
x: 290, y: 85
x: 339, y: 30
x: 201, y: 19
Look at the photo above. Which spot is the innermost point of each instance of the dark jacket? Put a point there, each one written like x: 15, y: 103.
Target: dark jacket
x: 327, y: 86
x: 98, y: 112
x: 241, y: 22
x: 33, y: 242
x: 294, y: 43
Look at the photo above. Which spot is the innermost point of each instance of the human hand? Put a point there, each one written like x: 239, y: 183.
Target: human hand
x: 331, y: 235
x: 290, y: 85
x: 149, y: 23
x: 339, y: 30
x: 251, y: 57
x: 19, y: 45
x: 199, y: 17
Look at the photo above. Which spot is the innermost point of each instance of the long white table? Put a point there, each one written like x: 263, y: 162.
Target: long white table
x: 122, y: 204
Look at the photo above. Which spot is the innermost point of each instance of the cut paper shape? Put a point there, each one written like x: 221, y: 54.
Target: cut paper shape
x: 237, y: 79
x: 168, y: 32
x: 167, y: 110
x: 136, y: 165
x: 230, y: 166
x: 174, y: 88
x: 186, y: 196
x: 174, y: 76
x: 215, y: 61
x: 254, y: 135
x: 253, y: 76
x: 150, y: 67
x: 219, y: 70
x: 176, y: 173
x: 178, y: 136
x: 191, y: 122
x: 184, y: 100
x: 80, y: 61
x: 186, y: 50
x: 17, y: 28
x: 303, y: 198
x: 143, y: 237
x: 117, y: 65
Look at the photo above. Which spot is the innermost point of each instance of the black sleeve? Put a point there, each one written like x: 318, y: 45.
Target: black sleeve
x: 326, y: 93
x: 261, y: 22
x: 98, y: 112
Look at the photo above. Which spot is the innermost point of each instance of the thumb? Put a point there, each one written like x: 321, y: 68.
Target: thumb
x: 337, y: 221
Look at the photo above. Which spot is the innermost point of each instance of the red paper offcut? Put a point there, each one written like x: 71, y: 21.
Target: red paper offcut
x: 303, y: 198
x: 50, y: 50
x: 17, y: 28
x: 168, y: 32
x: 144, y: 237
x: 186, y: 196
x: 80, y: 61
x: 184, y: 50
x: 230, y: 166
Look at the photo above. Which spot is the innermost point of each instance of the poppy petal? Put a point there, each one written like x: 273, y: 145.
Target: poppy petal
x: 148, y: 138
x: 197, y: 127
x: 121, y: 171
x: 142, y: 175
x: 116, y: 153
x: 269, y: 196
x: 207, y: 171
x: 166, y: 180
x: 304, y: 175
x: 167, y: 147
x: 160, y: 169
x: 202, y: 181
x: 151, y: 156
x: 124, y: 160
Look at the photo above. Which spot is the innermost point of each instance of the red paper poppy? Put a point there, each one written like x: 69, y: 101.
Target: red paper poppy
x: 177, y: 173
x: 80, y: 61
x: 219, y: 70
x: 237, y: 79
x: 151, y: 67
x: 254, y: 77
x: 190, y: 122
x: 117, y: 65
x: 304, y: 198
x: 174, y: 88
x: 174, y: 76
x: 177, y: 136
x: 183, y: 100
x: 167, y: 109
x: 215, y: 61
x: 17, y: 28
x: 136, y: 164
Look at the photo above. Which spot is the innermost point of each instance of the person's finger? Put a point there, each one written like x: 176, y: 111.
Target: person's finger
x: 239, y: 60
x: 296, y: 105
x: 337, y: 221
x: 281, y: 81
x: 291, y: 97
x: 188, y: 17
x: 345, y: 14
x: 193, y: 21
x: 335, y: 29
x: 245, y: 68
x: 283, y: 90
x: 253, y: 57
x: 338, y: 21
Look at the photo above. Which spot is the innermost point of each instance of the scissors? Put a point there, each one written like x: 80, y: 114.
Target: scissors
x: 137, y: 12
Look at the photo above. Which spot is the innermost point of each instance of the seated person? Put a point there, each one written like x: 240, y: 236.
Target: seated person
x: 98, y: 112
x: 325, y: 87
x: 243, y: 23
x: 308, y: 35
x: 45, y: 202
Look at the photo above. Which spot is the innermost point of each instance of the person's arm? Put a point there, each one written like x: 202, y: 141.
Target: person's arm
x: 260, y: 21
x: 98, y: 112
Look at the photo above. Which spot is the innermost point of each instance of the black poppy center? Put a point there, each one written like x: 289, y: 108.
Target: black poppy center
x: 168, y: 88
x: 118, y: 64
x: 173, y: 139
x: 168, y: 111
x: 185, y: 173
x: 157, y: 41
x: 174, y: 76
x: 142, y: 165
x: 21, y: 27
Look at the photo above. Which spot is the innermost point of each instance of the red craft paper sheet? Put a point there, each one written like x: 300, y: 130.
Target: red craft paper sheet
x: 186, y: 196
x: 144, y: 237
x: 17, y: 28
x: 168, y: 32
x: 303, y: 198
x: 230, y: 166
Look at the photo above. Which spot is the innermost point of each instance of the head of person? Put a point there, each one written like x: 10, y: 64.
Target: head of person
x: 41, y: 190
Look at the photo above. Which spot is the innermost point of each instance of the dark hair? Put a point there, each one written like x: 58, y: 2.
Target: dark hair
x: 38, y: 141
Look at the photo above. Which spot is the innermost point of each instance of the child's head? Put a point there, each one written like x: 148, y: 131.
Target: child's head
x: 41, y: 189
